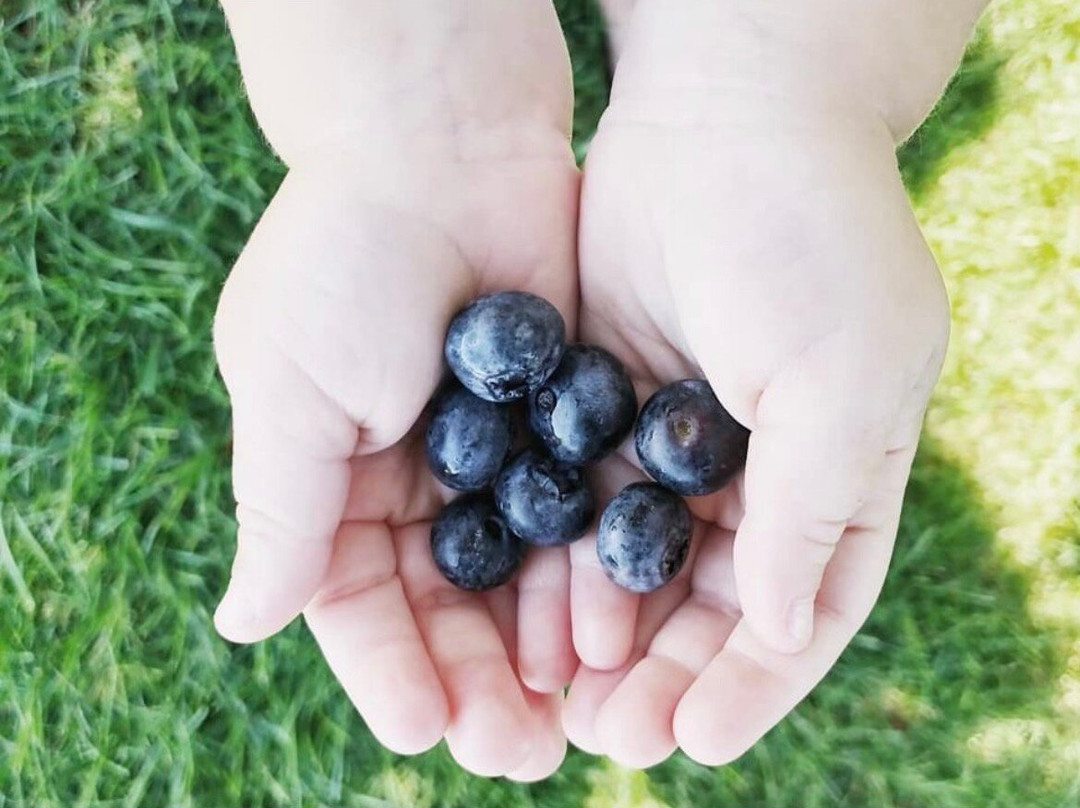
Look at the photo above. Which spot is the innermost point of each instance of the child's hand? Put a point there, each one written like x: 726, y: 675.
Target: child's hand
x: 751, y: 227
x: 432, y: 177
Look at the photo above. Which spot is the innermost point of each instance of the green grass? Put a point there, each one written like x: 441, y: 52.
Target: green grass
x: 129, y: 178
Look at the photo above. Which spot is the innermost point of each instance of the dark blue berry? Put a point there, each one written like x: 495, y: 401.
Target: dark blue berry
x: 502, y: 345
x: 543, y: 501
x: 472, y: 545
x: 687, y: 441
x: 644, y: 537
x: 586, y: 408
x: 468, y: 439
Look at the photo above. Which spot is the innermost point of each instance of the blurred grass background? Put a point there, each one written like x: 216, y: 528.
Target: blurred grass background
x: 131, y: 173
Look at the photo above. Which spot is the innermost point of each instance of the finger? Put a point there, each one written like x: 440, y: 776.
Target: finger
x: 645, y: 702
x: 549, y: 746
x: 814, y: 452
x: 634, y: 724
x: 309, y: 355
x: 546, y: 658
x: 491, y: 727
x: 748, y: 687
x: 290, y: 474
x: 548, y: 739
x: 603, y: 616
x: 362, y: 622
x: 590, y: 688
x: 803, y: 487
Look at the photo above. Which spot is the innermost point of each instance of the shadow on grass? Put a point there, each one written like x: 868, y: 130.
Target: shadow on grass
x: 950, y: 652
x: 965, y: 112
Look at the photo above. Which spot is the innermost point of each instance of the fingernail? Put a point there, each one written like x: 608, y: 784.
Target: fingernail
x: 801, y: 621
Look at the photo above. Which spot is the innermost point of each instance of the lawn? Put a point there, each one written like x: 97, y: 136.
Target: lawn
x: 130, y: 174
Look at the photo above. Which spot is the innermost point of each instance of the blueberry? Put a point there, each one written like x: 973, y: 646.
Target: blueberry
x: 644, y: 537
x: 586, y: 408
x: 543, y: 501
x: 468, y: 439
x: 687, y: 441
x: 472, y: 545
x: 502, y: 345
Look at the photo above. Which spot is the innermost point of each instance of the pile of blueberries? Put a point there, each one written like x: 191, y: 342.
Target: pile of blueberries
x: 511, y: 346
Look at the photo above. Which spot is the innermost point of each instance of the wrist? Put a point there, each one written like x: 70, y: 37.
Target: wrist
x: 847, y: 57
x: 466, y: 77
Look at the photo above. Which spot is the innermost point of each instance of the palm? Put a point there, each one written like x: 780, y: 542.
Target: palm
x: 765, y: 261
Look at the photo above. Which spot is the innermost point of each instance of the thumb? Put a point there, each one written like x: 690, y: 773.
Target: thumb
x: 327, y: 332
x: 813, y: 459
x: 291, y: 449
x: 289, y: 505
x: 801, y: 491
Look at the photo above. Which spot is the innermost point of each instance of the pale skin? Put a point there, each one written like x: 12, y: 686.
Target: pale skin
x: 741, y: 218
